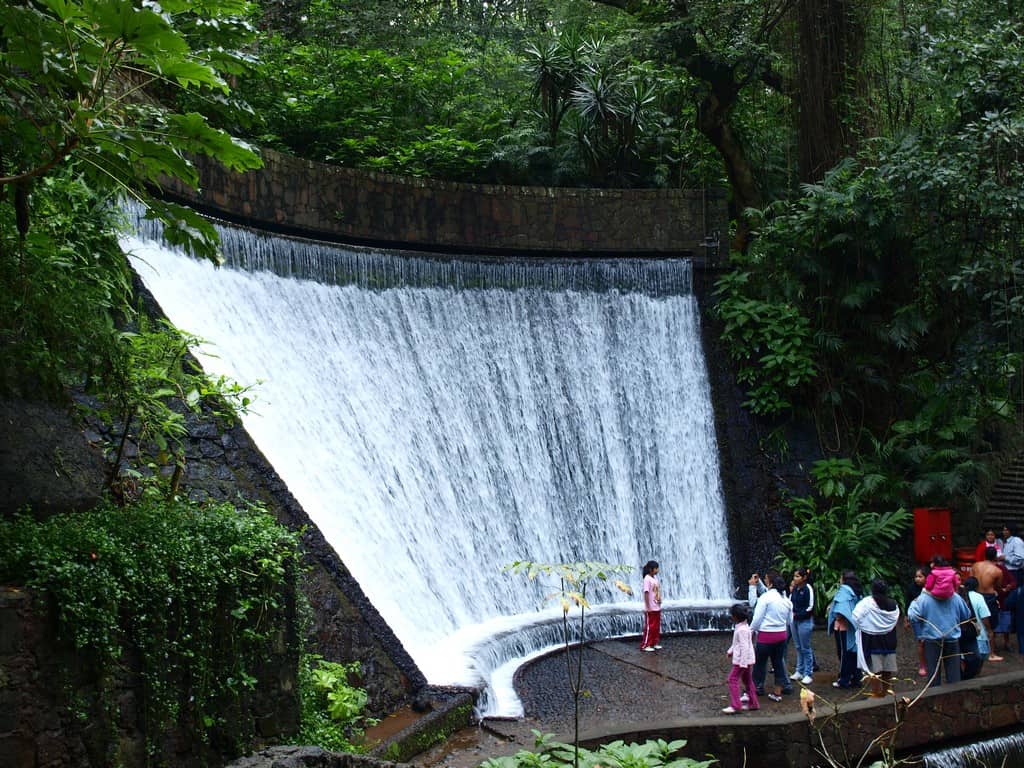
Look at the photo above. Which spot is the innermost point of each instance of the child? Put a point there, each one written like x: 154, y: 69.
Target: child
x: 742, y: 653
x: 920, y: 577
x: 943, y: 582
x: 802, y: 597
x: 650, y: 640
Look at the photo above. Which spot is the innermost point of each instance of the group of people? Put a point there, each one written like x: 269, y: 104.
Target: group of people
x: 952, y: 622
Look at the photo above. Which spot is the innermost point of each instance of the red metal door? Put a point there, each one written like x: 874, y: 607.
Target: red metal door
x: 932, y: 534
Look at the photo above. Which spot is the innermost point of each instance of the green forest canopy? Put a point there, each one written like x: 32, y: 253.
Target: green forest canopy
x: 872, y: 151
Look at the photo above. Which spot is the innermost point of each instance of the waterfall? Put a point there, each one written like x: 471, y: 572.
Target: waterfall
x: 439, y: 418
x: 999, y: 752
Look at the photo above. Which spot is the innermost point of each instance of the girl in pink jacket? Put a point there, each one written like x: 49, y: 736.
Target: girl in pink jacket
x: 942, y: 581
x: 742, y: 653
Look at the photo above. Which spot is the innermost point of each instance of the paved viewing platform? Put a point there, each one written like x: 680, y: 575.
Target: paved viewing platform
x: 631, y: 693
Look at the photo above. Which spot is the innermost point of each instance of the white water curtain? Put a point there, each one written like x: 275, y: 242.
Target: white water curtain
x: 437, y: 433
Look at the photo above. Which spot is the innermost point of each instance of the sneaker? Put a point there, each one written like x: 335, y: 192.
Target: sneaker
x: 648, y: 649
x: 795, y: 676
x: 807, y: 680
x: 728, y: 711
x: 744, y: 698
x: 774, y: 697
x: 745, y: 707
x: 657, y: 647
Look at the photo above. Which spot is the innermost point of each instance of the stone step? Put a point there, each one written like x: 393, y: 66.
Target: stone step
x: 1006, y: 502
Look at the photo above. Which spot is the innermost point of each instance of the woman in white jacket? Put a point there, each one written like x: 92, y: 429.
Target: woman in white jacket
x: 875, y: 618
x: 772, y: 617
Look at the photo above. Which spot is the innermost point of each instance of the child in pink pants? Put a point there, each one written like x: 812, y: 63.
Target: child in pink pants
x: 742, y: 653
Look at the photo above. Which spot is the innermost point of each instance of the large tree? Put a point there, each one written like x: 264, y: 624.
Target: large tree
x: 733, y: 48
x: 91, y: 84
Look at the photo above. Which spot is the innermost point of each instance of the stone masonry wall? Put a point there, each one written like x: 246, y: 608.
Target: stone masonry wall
x: 969, y: 710
x: 58, y: 709
x: 302, y: 197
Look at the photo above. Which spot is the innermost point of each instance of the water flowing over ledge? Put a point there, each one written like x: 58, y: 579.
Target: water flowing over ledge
x: 438, y: 419
x: 992, y: 753
x: 506, y: 648
x: 328, y: 264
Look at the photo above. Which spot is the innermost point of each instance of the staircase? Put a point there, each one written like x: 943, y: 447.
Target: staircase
x: 1006, y: 503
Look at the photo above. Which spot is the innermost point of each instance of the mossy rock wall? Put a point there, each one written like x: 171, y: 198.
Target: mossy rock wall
x: 59, y: 708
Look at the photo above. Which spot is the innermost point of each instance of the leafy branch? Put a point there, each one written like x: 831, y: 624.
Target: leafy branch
x: 573, y: 581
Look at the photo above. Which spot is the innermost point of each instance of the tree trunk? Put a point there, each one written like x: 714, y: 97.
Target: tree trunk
x: 831, y: 51
x: 714, y: 123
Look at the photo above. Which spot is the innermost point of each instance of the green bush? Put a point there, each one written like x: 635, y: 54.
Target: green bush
x: 333, y: 710
x: 845, y: 530
x: 655, y: 753
x: 62, y: 289
x: 770, y: 340
x: 195, y: 591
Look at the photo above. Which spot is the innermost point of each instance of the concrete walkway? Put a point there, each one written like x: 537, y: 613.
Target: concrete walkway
x: 625, y: 687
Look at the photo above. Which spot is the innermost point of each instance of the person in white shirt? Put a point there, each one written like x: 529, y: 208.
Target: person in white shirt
x: 1013, y: 553
x: 875, y: 618
x: 772, y: 616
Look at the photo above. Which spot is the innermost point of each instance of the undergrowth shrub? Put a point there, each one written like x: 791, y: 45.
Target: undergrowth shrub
x: 333, y: 708
x: 654, y: 753
x: 192, y: 594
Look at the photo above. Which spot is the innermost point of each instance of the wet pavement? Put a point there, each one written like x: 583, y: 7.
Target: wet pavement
x: 624, y: 686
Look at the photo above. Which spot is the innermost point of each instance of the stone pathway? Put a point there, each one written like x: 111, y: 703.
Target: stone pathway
x: 686, y: 679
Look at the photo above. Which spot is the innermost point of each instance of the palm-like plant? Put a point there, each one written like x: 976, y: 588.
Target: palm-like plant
x: 554, y: 64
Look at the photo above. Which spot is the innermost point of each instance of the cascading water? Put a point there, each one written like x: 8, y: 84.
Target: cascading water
x: 1000, y: 752
x: 438, y: 419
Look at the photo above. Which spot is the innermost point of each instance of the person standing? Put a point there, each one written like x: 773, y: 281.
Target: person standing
x: 938, y: 623
x: 801, y: 595
x: 876, y: 618
x: 988, y: 541
x: 974, y: 633
x: 742, y: 653
x: 988, y: 583
x: 757, y: 586
x: 1013, y: 553
x: 650, y: 640
x: 1015, y: 604
x: 772, y: 616
x: 1004, y: 618
x: 920, y: 576
x: 840, y: 623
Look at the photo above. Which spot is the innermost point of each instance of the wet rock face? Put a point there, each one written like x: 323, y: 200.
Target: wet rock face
x: 751, y: 481
x: 46, y: 462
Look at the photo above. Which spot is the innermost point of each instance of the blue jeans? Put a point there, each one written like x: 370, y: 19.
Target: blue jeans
x: 944, y: 656
x: 804, y: 653
x: 777, y: 653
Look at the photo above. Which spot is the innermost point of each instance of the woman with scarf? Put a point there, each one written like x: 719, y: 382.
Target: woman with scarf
x: 842, y: 626
x: 875, y: 618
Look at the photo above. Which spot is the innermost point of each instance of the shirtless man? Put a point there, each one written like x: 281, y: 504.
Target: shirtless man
x: 990, y: 582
